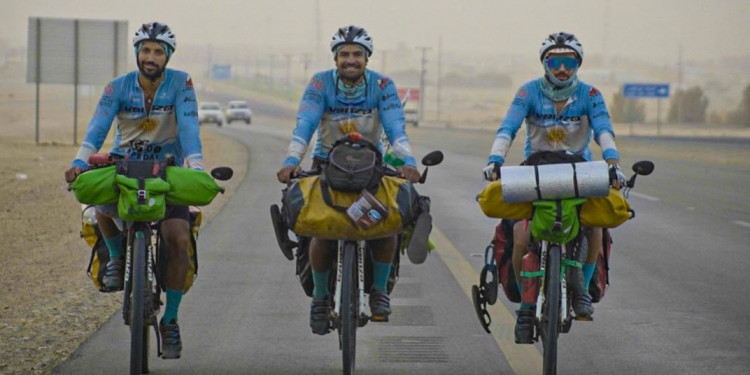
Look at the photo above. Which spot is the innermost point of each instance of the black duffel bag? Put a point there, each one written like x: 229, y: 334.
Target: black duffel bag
x: 353, y: 164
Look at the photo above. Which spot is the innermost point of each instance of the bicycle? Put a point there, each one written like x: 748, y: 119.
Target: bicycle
x: 141, y: 291
x: 554, y: 311
x: 352, y: 271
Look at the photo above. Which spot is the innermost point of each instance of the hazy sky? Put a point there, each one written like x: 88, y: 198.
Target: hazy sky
x: 650, y: 29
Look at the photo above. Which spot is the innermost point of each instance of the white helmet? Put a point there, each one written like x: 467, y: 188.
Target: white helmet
x: 352, y: 35
x: 560, y: 42
x: 155, y: 31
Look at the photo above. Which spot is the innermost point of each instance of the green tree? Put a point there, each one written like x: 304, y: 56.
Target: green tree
x: 688, y: 106
x: 742, y: 114
x: 627, y: 110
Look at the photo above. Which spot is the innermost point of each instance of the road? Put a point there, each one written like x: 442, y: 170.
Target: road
x: 675, y: 304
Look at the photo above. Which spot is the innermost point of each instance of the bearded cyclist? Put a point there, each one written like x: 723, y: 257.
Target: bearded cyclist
x: 561, y: 113
x: 156, y: 113
x: 349, y: 98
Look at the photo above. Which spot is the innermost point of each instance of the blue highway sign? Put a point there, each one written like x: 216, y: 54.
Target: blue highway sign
x: 645, y: 90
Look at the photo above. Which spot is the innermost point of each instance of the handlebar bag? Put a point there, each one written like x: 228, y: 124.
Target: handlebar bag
x: 189, y: 187
x: 556, y: 221
x: 141, y: 199
x: 96, y: 186
x: 491, y: 202
x: 307, y: 214
x: 353, y: 166
x: 606, y: 212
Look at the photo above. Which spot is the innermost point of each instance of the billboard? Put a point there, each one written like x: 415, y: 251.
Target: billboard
x: 76, y: 51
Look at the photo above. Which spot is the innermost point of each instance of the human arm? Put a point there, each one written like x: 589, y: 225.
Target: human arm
x: 97, y: 129
x: 394, y: 122
x: 604, y: 135
x: 188, y: 128
x: 505, y: 134
x: 309, y: 114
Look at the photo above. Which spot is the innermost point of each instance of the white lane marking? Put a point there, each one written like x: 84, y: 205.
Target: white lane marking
x: 644, y: 196
x: 742, y: 223
x: 523, y: 359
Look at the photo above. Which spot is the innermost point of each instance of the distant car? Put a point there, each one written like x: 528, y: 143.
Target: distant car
x: 210, y: 112
x: 239, y: 110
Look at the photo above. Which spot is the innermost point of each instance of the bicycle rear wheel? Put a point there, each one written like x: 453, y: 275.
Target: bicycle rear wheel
x: 349, y: 307
x: 551, y: 310
x: 138, y: 330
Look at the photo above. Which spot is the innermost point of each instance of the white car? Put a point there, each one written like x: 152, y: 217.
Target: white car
x: 239, y: 110
x: 210, y: 112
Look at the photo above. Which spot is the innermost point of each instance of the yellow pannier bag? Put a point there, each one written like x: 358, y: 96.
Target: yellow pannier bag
x: 491, y: 202
x: 606, y: 212
x: 307, y: 214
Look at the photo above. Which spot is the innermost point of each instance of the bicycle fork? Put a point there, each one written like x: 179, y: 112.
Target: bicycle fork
x: 360, y: 280
x: 543, y: 254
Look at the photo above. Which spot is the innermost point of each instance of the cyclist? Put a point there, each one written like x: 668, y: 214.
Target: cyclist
x: 349, y: 98
x: 561, y: 113
x: 157, y: 118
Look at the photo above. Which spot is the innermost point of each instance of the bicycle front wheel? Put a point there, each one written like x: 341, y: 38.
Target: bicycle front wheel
x: 349, y: 307
x: 551, y: 310
x: 138, y: 330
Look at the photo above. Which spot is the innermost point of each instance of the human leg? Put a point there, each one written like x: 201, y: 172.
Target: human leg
x: 112, y: 236
x: 175, y: 232
x: 321, y: 253
x: 524, y: 329
x: 383, y: 250
x: 579, y: 282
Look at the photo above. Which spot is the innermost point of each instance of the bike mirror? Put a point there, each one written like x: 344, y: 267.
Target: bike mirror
x: 643, y: 167
x: 433, y: 158
x: 222, y: 173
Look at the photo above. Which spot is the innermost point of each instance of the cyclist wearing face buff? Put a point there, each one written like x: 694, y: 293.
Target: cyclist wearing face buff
x: 561, y: 113
x: 349, y: 98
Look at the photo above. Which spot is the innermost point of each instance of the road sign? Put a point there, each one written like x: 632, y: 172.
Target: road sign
x: 645, y: 90
x: 221, y: 72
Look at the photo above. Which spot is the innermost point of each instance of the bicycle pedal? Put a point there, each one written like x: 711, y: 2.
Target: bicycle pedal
x: 585, y: 318
x: 379, y: 318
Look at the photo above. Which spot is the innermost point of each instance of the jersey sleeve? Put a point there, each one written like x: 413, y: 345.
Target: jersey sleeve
x: 512, y: 121
x: 188, y: 129
x: 101, y: 122
x: 309, y: 113
x: 394, y: 122
x: 604, y: 134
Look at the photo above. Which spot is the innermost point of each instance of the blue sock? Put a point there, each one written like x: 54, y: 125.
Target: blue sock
x: 320, y: 280
x: 588, y: 273
x: 114, y: 245
x: 174, y: 297
x: 380, y: 273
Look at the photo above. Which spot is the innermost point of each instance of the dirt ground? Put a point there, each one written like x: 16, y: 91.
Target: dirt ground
x: 48, y: 305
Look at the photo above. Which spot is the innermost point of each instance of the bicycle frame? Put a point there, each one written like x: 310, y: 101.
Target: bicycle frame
x: 360, y: 246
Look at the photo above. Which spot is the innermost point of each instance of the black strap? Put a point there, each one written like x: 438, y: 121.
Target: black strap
x: 327, y: 195
x: 536, y: 176
x: 575, y: 179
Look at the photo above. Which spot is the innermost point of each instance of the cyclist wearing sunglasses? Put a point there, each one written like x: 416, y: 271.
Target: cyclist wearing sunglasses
x: 561, y: 113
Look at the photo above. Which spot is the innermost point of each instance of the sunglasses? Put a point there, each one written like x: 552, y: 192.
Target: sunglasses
x: 556, y: 62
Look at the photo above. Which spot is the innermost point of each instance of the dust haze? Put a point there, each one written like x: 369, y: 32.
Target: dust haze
x: 624, y: 41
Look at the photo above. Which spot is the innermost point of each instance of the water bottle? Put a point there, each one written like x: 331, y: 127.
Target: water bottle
x: 529, y: 284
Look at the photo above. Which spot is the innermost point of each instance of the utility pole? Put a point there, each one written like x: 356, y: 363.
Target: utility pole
x: 306, y: 64
x: 288, y: 69
x: 439, y: 72
x: 384, y: 55
x: 422, y: 82
x: 680, y: 92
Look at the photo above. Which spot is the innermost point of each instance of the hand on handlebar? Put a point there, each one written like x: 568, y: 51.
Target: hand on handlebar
x: 285, y: 174
x: 409, y: 173
x: 491, y: 171
x: 617, y: 177
x: 72, y: 173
